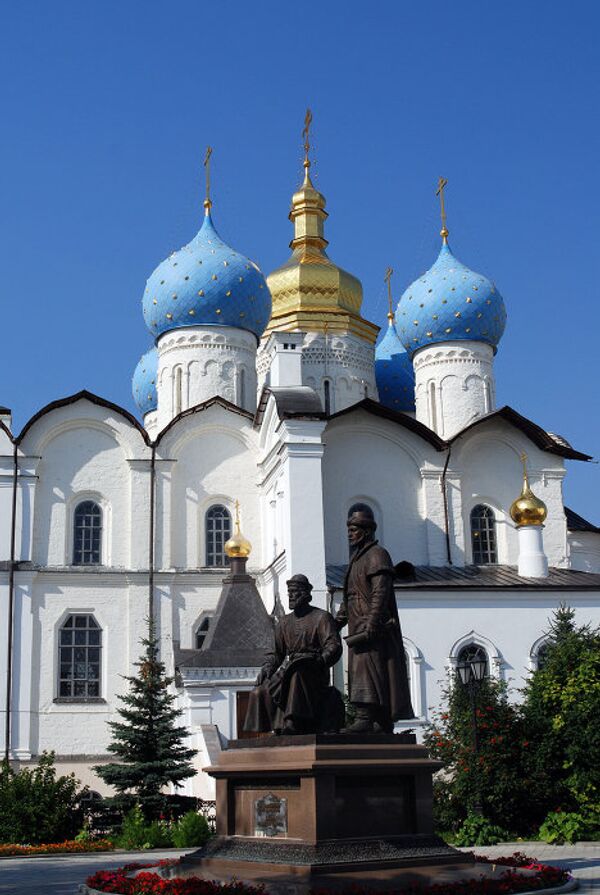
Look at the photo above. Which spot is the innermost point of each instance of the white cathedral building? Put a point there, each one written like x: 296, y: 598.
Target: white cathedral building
x: 276, y: 393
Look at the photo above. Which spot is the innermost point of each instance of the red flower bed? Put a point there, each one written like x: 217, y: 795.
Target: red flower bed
x: 56, y: 848
x: 149, y: 883
x: 144, y: 883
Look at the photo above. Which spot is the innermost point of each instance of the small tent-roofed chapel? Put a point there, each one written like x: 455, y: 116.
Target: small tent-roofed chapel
x: 271, y: 405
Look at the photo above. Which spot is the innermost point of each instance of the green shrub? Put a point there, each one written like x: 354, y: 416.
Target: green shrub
x: 136, y: 833
x: 489, y: 776
x: 477, y: 830
x: 190, y: 830
x: 560, y: 711
x: 36, y: 805
x: 569, y: 826
x: 85, y: 834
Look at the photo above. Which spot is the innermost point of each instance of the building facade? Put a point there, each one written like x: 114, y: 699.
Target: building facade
x: 274, y: 392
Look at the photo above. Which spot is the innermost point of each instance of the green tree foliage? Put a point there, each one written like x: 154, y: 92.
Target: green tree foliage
x: 147, y: 740
x: 537, y: 762
x: 561, y: 711
x: 489, y: 778
x: 36, y: 805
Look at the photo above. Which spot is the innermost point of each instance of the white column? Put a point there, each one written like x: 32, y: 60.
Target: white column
x: 434, y: 515
x: 139, y: 513
x: 532, y: 559
x: 302, y: 511
x: 23, y: 658
x: 163, y: 521
x: 3, y: 652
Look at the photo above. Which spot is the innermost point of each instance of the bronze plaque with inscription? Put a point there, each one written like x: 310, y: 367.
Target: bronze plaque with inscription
x: 270, y: 816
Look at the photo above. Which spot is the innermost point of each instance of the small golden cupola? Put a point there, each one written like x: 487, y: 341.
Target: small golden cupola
x: 237, y: 546
x: 528, y: 509
x: 310, y: 293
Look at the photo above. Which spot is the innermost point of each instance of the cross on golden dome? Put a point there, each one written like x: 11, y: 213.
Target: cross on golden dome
x: 237, y: 545
x: 306, y: 135
x: 528, y: 509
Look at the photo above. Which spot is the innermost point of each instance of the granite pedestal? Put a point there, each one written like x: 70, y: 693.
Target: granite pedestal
x: 324, y: 810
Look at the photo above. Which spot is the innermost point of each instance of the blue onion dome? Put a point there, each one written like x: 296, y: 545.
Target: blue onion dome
x: 450, y: 303
x: 143, y: 384
x: 206, y: 283
x: 394, y: 372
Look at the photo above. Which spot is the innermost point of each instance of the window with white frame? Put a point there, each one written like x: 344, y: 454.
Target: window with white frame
x: 79, y: 657
x: 87, y: 534
x: 541, y: 653
x: 483, y: 535
x: 218, y: 531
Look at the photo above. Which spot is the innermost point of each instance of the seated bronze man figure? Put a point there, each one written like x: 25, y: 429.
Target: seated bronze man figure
x: 292, y: 693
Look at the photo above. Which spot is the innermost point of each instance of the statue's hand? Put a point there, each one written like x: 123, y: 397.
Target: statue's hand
x: 372, y: 628
x: 263, y: 675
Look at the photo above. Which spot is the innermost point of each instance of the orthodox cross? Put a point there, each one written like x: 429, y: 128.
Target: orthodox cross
x: 306, y: 134
x: 237, y: 515
x: 207, y: 202
x: 388, y: 278
x: 524, y: 462
x: 442, y: 183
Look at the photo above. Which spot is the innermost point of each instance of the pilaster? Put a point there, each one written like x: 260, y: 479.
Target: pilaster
x: 302, y: 510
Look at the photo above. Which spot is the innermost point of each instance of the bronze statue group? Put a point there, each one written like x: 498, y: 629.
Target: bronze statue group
x: 293, y: 694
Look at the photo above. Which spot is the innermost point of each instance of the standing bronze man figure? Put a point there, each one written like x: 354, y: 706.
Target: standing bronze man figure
x: 378, y: 681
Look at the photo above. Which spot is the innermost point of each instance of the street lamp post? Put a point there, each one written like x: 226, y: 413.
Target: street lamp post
x: 470, y: 674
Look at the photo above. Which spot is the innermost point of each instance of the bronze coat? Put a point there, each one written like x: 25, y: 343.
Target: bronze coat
x: 377, y: 669
x: 297, y: 683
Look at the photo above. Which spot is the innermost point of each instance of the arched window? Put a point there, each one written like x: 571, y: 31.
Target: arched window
x: 473, y: 652
x: 218, y: 530
x: 541, y: 654
x: 79, y: 653
x: 177, y: 391
x: 487, y: 397
x: 408, y: 670
x: 242, y: 389
x: 327, y: 396
x: 87, y: 534
x: 202, y: 631
x: 432, y: 407
x: 483, y: 535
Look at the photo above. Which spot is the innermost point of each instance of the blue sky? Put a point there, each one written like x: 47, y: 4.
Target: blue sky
x: 107, y: 109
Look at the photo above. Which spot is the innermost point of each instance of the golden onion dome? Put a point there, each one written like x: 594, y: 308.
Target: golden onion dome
x: 528, y: 509
x: 310, y: 292
x: 237, y: 545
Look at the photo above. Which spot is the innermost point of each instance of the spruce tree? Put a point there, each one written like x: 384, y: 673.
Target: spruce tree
x: 147, y: 740
x: 561, y: 710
